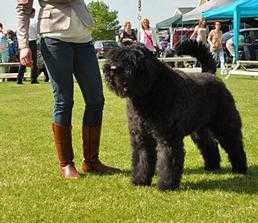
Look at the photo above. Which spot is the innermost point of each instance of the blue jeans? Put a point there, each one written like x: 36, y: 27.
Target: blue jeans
x: 63, y: 60
x: 219, y: 58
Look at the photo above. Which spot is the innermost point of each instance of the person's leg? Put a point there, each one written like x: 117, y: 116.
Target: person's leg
x: 20, y: 75
x: 58, y: 57
x: 215, y: 56
x: 222, y: 59
x: 44, y: 70
x: 86, y: 71
x: 34, y: 68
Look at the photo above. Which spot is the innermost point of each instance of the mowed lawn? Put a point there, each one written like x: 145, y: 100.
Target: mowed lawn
x: 32, y: 191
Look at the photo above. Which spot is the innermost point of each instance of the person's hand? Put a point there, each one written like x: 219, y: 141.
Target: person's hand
x: 26, y: 57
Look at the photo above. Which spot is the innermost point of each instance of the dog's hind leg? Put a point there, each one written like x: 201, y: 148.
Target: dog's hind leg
x: 230, y: 138
x: 208, y: 147
x: 143, y: 158
x: 170, y: 163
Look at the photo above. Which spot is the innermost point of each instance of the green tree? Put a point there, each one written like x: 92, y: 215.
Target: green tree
x: 107, y: 24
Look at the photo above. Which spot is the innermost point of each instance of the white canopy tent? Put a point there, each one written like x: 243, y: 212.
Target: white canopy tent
x: 196, y: 14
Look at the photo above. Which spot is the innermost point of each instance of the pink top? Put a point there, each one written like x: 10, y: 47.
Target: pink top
x: 148, y: 40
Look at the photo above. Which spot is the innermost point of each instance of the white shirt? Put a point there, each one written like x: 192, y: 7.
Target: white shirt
x: 33, y: 32
x: 77, y: 32
x: 153, y: 36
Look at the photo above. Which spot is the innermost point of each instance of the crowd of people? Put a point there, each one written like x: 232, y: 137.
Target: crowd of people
x: 213, y: 39
x: 147, y: 36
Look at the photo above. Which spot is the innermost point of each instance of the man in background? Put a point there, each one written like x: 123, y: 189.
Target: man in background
x: 33, y: 46
x: 215, y: 41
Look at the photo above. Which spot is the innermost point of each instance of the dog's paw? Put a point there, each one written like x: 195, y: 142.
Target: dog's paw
x: 239, y: 170
x: 167, y: 187
x: 141, y: 182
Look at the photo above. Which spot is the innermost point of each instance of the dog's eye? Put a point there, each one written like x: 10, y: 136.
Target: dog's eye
x: 113, y: 67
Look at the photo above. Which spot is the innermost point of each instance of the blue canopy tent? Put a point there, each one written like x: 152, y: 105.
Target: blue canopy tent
x: 236, y: 10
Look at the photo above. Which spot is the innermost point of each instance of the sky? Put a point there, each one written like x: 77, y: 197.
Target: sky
x: 155, y: 10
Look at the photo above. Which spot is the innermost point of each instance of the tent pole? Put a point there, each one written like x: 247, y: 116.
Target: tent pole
x: 139, y: 18
x: 236, y: 26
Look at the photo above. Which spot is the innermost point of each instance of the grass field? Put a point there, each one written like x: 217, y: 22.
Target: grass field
x: 32, y: 191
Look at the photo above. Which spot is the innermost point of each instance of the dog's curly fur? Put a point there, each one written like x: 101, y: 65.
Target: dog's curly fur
x: 165, y: 105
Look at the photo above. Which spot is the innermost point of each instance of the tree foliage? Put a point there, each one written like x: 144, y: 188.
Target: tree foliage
x: 107, y: 24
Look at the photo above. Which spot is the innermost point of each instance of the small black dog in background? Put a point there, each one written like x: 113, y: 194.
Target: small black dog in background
x: 165, y: 105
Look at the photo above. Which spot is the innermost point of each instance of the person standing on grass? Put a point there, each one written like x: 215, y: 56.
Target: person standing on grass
x: 67, y: 49
x: 33, y: 34
x: 215, y: 41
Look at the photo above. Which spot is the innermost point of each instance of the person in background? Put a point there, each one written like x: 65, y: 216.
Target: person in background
x: 148, y: 36
x: 200, y: 32
x: 33, y: 34
x: 4, y: 50
x: 12, y: 45
x: 215, y: 41
x: 68, y: 52
x: 230, y: 45
x: 41, y: 65
x: 127, y: 36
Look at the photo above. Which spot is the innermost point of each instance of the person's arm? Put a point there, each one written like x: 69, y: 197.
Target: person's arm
x: 194, y: 32
x: 210, y: 38
x: 23, y: 13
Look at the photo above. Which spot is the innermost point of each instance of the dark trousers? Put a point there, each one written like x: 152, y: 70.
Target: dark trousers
x: 63, y: 60
x: 44, y: 70
x: 34, y: 68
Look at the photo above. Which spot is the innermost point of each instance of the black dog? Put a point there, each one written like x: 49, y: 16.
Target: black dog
x: 165, y: 105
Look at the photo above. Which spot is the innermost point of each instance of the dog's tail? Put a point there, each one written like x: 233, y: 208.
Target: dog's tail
x: 200, y: 52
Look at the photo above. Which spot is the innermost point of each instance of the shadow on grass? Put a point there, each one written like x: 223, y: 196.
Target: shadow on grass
x: 237, y: 183
x: 247, y: 184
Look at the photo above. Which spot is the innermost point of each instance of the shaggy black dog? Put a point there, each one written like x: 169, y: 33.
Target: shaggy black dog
x: 165, y: 105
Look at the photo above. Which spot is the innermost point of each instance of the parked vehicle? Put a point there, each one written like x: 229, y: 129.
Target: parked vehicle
x: 103, y: 46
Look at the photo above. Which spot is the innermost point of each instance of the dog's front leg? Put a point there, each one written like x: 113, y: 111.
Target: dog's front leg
x: 170, y: 163
x: 143, y: 158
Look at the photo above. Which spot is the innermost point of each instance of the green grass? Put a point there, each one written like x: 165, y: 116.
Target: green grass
x: 32, y: 191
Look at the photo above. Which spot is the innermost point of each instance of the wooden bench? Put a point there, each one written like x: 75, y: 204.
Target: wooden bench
x: 7, y: 75
x: 240, y: 68
x: 167, y: 59
x: 175, y: 60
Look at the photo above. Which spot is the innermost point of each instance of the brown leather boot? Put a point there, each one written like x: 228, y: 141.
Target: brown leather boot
x: 91, y: 141
x: 63, y: 143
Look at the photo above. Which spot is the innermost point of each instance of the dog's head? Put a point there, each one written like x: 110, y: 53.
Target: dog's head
x: 130, y: 71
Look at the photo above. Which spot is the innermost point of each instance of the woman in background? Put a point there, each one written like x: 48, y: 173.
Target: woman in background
x: 127, y: 36
x: 148, y: 36
x: 200, y: 32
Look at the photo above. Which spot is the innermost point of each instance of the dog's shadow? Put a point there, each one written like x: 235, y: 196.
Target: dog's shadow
x: 237, y: 183
x: 247, y: 184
